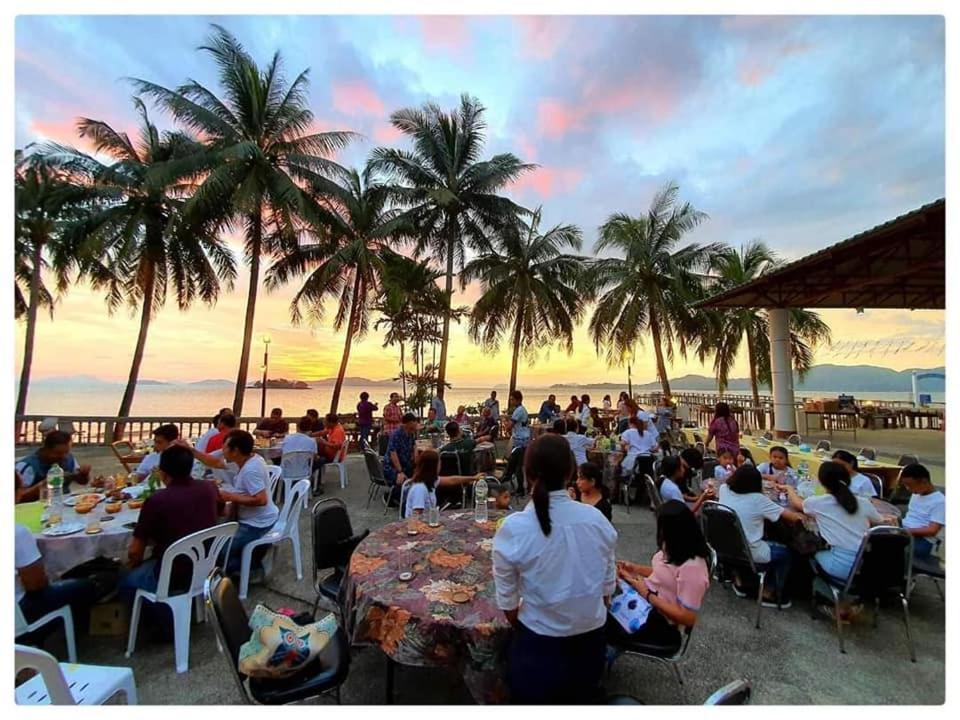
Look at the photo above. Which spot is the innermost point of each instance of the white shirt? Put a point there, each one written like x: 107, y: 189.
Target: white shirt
x: 205, y: 438
x: 860, y: 485
x: 722, y: 472
x: 25, y: 552
x: 585, y: 414
x: 419, y: 498
x: 669, y: 490
x: 788, y: 475
x: 925, y: 509
x: 838, y: 527
x: 148, y: 464
x: 638, y: 444
x: 579, y: 444
x: 494, y: 406
x: 298, y: 442
x: 752, y: 509
x: 252, y: 479
x: 561, y: 578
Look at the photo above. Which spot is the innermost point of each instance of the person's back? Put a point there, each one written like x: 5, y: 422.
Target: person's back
x: 579, y: 444
x: 752, y: 508
x: 839, y: 528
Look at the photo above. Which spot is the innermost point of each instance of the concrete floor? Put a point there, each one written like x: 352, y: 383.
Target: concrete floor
x: 790, y: 660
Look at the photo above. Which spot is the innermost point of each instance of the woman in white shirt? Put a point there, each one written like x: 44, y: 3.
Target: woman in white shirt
x: 842, y: 518
x: 580, y: 444
x: 743, y: 493
x: 554, y: 567
x: 422, y: 493
x: 637, y: 441
x: 859, y: 483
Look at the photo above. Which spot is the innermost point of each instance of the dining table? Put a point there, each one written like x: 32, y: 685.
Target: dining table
x: 426, y: 596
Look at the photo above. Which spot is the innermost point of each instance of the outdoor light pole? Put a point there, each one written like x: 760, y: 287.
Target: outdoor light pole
x: 263, y: 384
x: 626, y: 359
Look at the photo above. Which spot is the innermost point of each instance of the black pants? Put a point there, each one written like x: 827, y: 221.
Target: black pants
x: 556, y: 670
x: 515, y: 468
x: 79, y: 594
x: 657, y: 630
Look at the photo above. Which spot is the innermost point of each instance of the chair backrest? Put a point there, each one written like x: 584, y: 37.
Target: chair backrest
x: 331, y: 526
x: 297, y: 464
x: 122, y: 447
x: 884, y: 562
x: 794, y: 440
x: 342, y: 455
x: 822, y: 445
x: 203, y: 549
x: 908, y: 460
x: 877, y: 484
x: 736, y: 693
x: 274, y: 473
x: 701, y: 448
x: 709, y: 466
x: 725, y: 535
x: 697, y: 438
x: 374, y: 465
x: 653, y: 491
x: 289, y: 515
x: 29, y: 658
x: 450, y: 463
x: 868, y: 452
x: 404, y: 489
x: 230, y: 621
x: 768, y: 435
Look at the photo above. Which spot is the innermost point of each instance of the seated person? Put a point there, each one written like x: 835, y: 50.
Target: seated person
x: 591, y: 490
x: 33, y: 469
x: 927, y: 512
x: 301, y: 440
x: 489, y: 428
x: 317, y: 423
x: 249, y: 491
x: 398, y: 462
x: 462, y: 445
x: 559, y: 427
x: 692, y: 460
x: 182, y: 507
x: 674, y: 584
x: 725, y: 466
x: 214, y: 430
x: 743, y: 493
x: 461, y: 418
x: 579, y: 444
x: 673, y: 485
x: 228, y: 423
x: 272, y: 426
x: 745, y: 457
x: 778, y: 469
x: 548, y: 409
x: 426, y: 480
x: 332, y: 440
x: 163, y: 436
x: 433, y: 424
x: 859, y: 483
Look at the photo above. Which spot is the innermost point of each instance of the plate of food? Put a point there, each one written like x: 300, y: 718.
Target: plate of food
x: 90, y: 498
x: 64, y: 529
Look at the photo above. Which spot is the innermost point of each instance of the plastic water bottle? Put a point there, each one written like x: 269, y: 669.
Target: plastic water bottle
x: 54, y: 484
x: 480, y: 501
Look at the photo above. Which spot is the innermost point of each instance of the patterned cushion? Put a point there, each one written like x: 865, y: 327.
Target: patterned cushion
x: 279, y: 647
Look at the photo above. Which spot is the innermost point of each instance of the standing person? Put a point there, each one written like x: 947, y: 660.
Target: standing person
x: 392, y: 415
x: 574, y: 406
x: 33, y: 469
x: 547, y: 413
x: 519, y: 427
x: 228, y: 422
x: 494, y: 405
x: 398, y: 461
x: 585, y: 416
x: 927, y: 512
x: 554, y: 569
x: 607, y: 403
x: 579, y: 444
x: 272, y: 426
x: 664, y: 415
x: 214, y: 430
x: 743, y: 493
x: 163, y: 437
x: 859, y: 483
x: 365, y: 410
x: 439, y: 407
x: 724, y: 429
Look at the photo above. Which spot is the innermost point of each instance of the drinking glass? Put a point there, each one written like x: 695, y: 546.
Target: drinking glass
x: 433, y: 516
x: 93, y: 521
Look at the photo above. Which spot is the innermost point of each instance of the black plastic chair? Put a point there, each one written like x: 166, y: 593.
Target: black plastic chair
x: 736, y: 693
x: 378, y: 482
x: 877, y: 484
x: 931, y: 567
x: 824, y: 445
x: 908, y: 460
x: 883, y: 567
x: 768, y: 435
x: 709, y: 466
x: 794, y: 440
x: 230, y: 622
x: 642, y: 467
x: 333, y: 543
x: 725, y: 535
x: 868, y: 452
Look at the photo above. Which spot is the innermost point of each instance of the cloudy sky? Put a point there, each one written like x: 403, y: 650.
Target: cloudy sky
x: 798, y: 131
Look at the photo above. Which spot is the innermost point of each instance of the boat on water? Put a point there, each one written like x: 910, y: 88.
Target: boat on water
x: 280, y: 384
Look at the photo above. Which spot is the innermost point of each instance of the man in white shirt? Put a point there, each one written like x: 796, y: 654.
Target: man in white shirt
x: 214, y: 430
x: 927, y: 512
x: 494, y: 405
x: 578, y: 443
x: 163, y: 437
x: 301, y: 440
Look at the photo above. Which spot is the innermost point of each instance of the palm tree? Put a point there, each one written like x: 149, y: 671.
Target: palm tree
x: 652, y: 285
x: 530, y: 288
x: 730, y: 329
x: 359, y: 225
x: 261, y: 153
x: 45, y: 199
x: 134, y: 243
x: 451, y: 194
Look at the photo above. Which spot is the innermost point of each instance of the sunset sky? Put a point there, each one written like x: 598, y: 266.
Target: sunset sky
x: 797, y: 131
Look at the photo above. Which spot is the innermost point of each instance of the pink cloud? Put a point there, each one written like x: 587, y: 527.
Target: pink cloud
x: 758, y: 65
x: 547, y: 182
x: 354, y: 98
x: 556, y: 119
x: 387, y: 134
x: 444, y: 32
x: 541, y: 35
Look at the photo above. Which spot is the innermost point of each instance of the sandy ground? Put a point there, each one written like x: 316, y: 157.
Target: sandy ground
x: 791, y: 660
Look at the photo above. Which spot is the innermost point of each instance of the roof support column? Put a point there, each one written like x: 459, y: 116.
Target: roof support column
x: 781, y: 371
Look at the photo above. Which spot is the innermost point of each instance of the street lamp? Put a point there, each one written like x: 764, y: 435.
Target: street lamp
x: 263, y: 383
x: 626, y: 358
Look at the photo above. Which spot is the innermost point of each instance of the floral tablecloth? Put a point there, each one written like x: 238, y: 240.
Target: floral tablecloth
x: 447, y: 613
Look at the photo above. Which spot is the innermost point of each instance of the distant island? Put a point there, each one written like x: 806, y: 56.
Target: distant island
x: 280, y: 384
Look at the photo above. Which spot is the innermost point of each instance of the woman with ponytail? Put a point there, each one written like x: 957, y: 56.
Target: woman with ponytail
x: 554, y: 568
x: 842, y: 518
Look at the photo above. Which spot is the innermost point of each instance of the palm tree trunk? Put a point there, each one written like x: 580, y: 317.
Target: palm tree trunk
x: 754, y: 386
x: 256, y: 222
x: 516, y: 351
x: 145, y: 314
x: 38, y: 242
x: 661, y: 365
x: 445, y: 342
x: 403, y: 371
x: 351, y: 328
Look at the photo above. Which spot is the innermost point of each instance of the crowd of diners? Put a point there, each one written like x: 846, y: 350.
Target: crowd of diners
x: 558, y: 580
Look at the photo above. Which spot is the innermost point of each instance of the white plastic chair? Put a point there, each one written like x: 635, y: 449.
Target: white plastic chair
x: 403, y: 496
x: 67, y: 683
x: 287, y: 527
x: 296, y: 466
x: 204, y: 548
x: 340, y: 464
x: 274, y: 473
x: 22, y: 627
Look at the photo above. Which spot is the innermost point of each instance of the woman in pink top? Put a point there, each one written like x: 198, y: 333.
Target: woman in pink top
x: 674, y: 583
x: 725, y: 429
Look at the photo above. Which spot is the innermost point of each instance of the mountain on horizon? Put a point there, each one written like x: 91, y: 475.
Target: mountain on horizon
x: 326, y: 382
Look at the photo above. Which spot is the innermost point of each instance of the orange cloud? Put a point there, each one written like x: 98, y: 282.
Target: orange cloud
x: 355, y: 98
x: 542, y: 35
